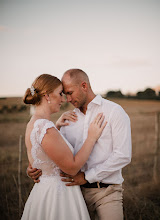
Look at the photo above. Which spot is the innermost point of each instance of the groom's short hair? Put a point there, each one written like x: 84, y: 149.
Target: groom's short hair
x: 77, y: 75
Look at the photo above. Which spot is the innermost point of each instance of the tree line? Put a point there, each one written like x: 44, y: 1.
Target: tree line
x: 146, y: 94
x: 12, y: 108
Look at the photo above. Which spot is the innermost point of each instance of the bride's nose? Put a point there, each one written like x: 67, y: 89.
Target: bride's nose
x: 63, y: 99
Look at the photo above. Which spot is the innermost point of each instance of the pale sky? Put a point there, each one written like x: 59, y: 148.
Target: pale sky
x: 116, y: 42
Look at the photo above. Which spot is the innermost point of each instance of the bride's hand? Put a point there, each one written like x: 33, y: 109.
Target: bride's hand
x: 69, y: 115
x: 96, y: 127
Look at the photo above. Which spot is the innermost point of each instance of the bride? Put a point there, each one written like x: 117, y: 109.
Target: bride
x: 49, y: 151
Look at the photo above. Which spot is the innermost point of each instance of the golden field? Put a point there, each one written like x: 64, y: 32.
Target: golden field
x: 141, y: 191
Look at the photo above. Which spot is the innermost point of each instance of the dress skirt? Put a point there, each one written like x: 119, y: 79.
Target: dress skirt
x: 51, y: 199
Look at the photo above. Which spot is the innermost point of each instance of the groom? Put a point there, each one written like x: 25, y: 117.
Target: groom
x: 101, y: 177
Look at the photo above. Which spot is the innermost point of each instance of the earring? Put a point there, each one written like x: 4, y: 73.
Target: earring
x: 49, y: 101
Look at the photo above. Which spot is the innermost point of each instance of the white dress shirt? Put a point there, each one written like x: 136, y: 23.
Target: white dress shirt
x: 112, y: 151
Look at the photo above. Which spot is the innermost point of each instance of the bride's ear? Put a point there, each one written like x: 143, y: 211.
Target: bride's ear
x: 47, y: 97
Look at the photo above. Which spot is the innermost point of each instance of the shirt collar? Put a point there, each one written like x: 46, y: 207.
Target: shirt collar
x: 97, y: 100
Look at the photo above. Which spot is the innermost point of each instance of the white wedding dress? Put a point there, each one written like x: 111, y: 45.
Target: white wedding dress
x: 51, y: 199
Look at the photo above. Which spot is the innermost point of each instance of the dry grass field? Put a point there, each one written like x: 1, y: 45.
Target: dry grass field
x: 141, y: 192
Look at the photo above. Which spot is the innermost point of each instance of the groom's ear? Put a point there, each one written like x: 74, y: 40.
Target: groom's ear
x: 84, y: 86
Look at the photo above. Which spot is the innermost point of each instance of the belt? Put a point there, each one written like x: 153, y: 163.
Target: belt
x: 95, y: 185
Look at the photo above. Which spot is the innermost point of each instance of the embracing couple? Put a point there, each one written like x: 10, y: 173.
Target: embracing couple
x: 77, y: 162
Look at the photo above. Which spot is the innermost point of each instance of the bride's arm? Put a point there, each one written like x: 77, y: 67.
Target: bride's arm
x: 57, y: 149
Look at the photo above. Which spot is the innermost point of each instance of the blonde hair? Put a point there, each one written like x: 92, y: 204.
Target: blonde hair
x: 43, y: 84
x: 77, y: 76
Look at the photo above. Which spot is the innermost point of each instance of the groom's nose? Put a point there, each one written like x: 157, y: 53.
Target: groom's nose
x: 69, y: 98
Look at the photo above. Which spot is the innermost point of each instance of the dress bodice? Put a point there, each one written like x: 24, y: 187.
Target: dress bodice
x: 40, y: 158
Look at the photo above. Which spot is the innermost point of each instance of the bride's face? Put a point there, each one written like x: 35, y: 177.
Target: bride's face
x: 56, y: 99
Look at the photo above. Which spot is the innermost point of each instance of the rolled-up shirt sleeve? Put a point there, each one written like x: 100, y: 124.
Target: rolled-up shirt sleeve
x: 122, y: 147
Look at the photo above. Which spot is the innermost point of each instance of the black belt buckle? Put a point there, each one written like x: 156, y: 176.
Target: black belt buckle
x: 95, y: 185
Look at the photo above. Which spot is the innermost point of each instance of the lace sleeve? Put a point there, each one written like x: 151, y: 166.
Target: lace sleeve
x: 41, y: 126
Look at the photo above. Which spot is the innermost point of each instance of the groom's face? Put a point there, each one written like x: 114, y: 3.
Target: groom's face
x: 74, y: 92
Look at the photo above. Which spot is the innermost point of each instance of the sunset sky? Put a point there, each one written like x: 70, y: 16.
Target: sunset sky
x: 116, y: 42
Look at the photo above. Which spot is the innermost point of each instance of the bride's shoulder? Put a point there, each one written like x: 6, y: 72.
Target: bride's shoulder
x: 39, y: 125
x: 40, y: 122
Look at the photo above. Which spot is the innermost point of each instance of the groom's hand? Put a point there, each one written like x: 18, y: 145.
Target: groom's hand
x: 78, y: 179
x: 34, y: 173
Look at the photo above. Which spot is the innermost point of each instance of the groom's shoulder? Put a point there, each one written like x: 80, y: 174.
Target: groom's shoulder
x: 110, y: 104
x: 111, y: 108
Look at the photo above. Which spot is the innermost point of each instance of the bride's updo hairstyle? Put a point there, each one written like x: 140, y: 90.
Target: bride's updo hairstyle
x: 43, y: 84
